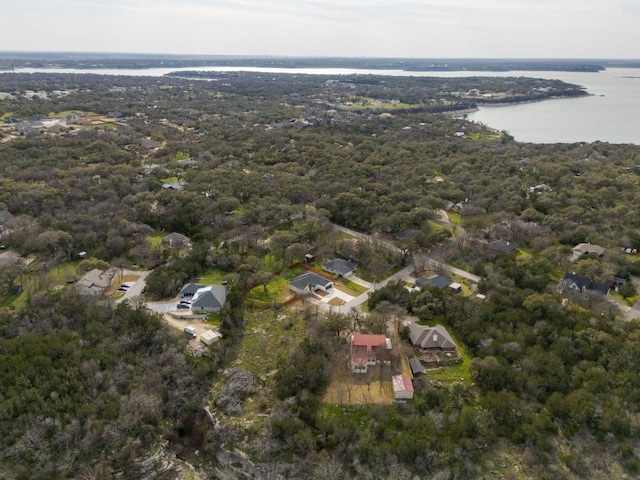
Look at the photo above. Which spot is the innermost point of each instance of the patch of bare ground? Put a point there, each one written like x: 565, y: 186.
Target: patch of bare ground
x: 336, y: 302
x: 371, y: 388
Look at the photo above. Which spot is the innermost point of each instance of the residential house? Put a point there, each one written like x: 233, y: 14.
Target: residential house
x: 94, y: 282
x: 176, y: 240
x: 339, y: 267
x: 366, y: 349
x: 502, y: 246
x: 173, y: 185
x: 9, y: 258
x: 578, y: 283
x: 310, y: 282
x: 402, y: 387
x: 435, y: 338
x: 416, y: 367
x: 586, y: 248
x: 437, y: 281
x: 189, y: 290
x: 209, y: 299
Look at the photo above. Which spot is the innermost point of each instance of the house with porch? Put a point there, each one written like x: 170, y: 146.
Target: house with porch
x: 367, y: 349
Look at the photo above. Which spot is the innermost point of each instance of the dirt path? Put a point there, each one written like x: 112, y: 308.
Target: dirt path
x: 196, y: 323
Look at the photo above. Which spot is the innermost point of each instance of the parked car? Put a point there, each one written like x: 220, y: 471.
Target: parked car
x: 190, y: 331
x: 183, y: 306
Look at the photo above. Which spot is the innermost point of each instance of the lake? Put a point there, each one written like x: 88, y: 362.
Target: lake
x: 610, y: 114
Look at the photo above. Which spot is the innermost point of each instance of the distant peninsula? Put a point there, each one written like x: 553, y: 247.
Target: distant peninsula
x: 11, y: 60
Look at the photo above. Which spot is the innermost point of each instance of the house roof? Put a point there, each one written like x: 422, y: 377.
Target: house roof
x: 584, y: 248
x: 307, y: 279
x: 402, y: 383
x: 5, y: 215
x: 94, y: 281
x: 9, y: 258
x: 502, y: 246
x: 579, y: 282
x: 433, y: 281
x: 212, y: 296
x: 415, y: 365
x: 174, y: 185
x: 430, y: 337
x: 176, y: 239
x: 191, y: 288
x: 341, y: 267
x: 368, y: 340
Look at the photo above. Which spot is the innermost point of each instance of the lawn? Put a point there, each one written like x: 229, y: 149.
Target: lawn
x: 453, y: 373
x: 211, y: 277
x: 65, y: 113
x: 349, y: 285
x: 273, y: 293
x: 156, y: 239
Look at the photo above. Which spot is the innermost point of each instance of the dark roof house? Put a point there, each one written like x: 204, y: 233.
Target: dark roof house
x: 438, y: 281
x: 502, y: 246
x: 309, y: 282
x: 431, y: 338
x: 579, y: 283
x: 416, y: 367
x: 337, y: 266
x: 190, y: 289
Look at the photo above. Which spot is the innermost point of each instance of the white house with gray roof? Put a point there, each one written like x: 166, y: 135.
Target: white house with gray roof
x: 310, y: 282
x: 339, y: 267
x: 209, y: 299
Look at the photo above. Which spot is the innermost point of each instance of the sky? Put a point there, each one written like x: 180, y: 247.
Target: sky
x: 342, y: 28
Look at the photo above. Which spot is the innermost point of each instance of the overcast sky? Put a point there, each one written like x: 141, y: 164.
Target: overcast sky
x: 372, y: 28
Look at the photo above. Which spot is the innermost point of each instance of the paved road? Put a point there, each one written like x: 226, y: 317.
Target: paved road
x: 419, y: 258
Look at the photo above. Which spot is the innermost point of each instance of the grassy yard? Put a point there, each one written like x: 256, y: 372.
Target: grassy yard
x: 274, y: 291
x: 156, y: 239
x: 65, y: 113
x: 361, y: 103
x: 211, y: 277
x: 354, y: 287
x: 453, y: 373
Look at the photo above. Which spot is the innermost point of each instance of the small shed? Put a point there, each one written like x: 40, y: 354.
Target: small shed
x: 209, y: 337
x: 456, y: 287
x: 402, y: 387
x: 416, y: 367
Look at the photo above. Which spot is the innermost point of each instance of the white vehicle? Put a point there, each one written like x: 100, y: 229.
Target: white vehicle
x: 190, y: 331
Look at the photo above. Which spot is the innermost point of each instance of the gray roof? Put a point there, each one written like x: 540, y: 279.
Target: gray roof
x: 433, y: 281
x: 502, y: 246
x: 94, y: 281
x: 213, y: 296
x: 5, y: 215
x: 308, y: 279
x: 176, y: 239
x: 578, y: 282
x: 9, y: 258
x: 339, y: 266
x: 416, y: 365
x: 430, y: 337
x: 191, y: 288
